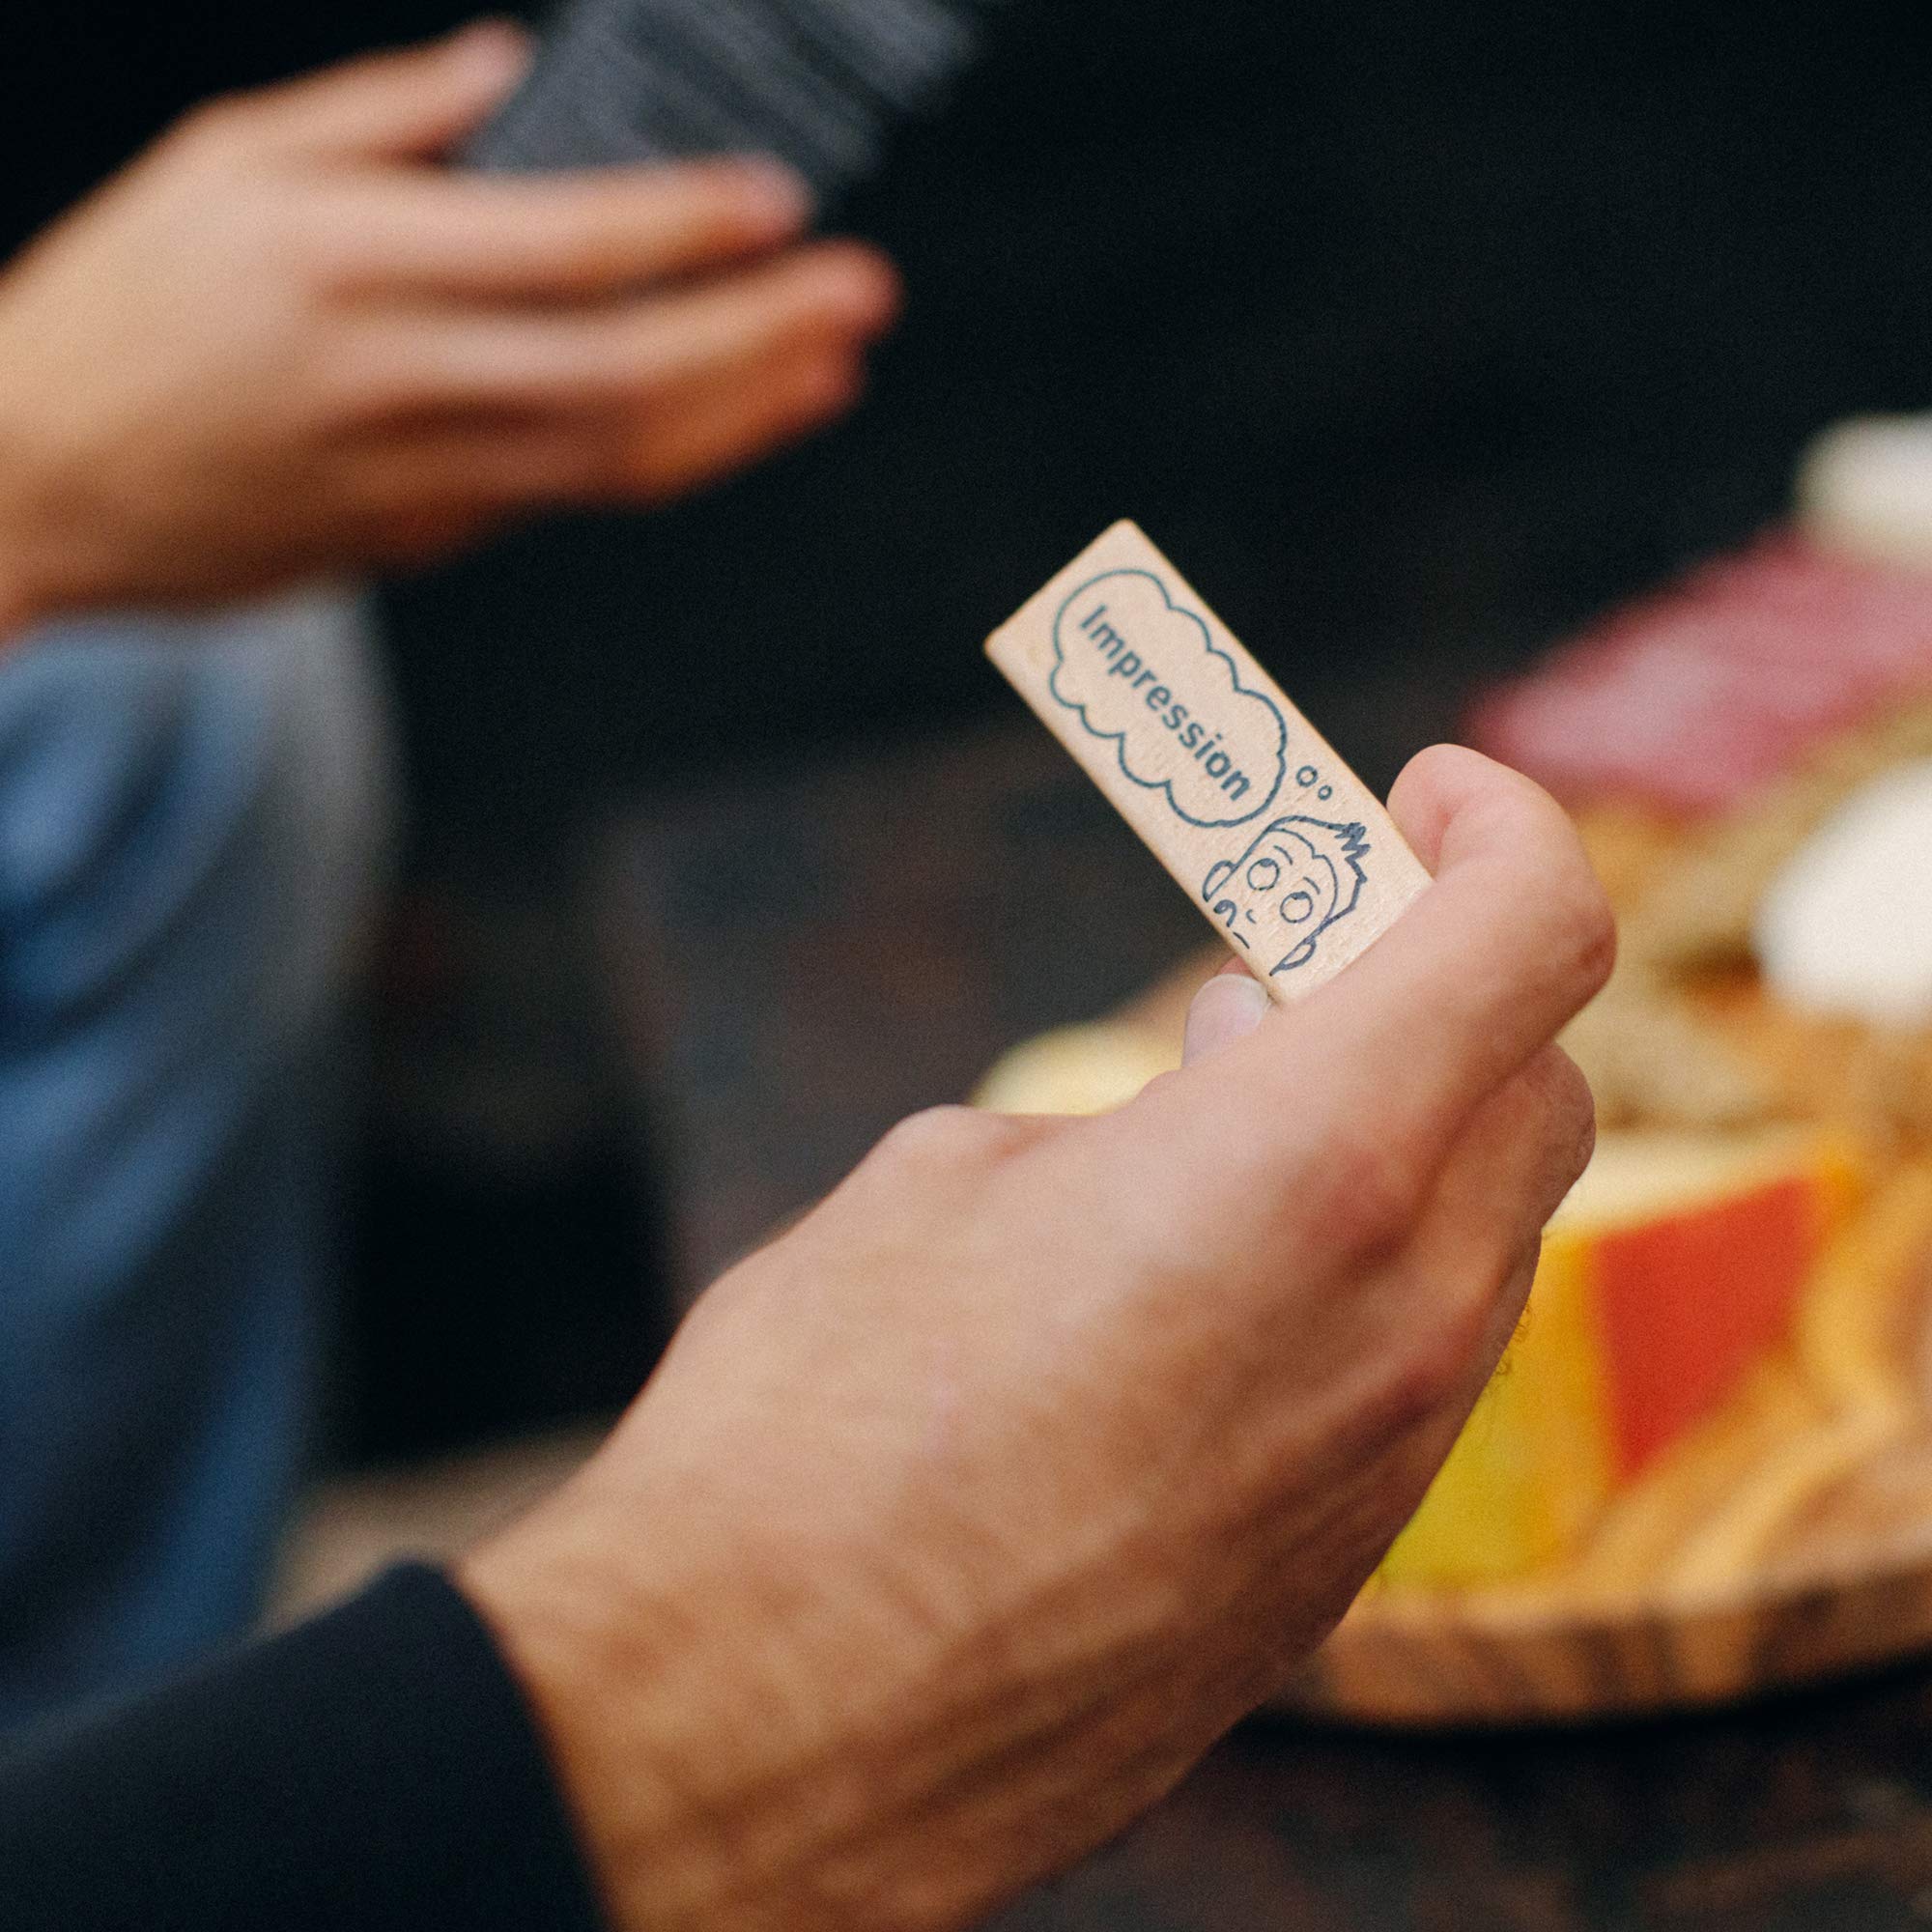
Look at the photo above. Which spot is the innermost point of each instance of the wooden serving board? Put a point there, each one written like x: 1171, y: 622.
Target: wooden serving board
x: 1533, y: 1658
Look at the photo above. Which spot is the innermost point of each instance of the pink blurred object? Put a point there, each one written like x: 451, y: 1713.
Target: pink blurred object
x: 1687, y: 699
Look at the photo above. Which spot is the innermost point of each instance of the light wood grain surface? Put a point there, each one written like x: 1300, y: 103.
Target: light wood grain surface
x: 1282, y: 848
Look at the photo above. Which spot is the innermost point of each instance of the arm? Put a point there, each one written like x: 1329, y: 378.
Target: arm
x: 284, y: 343
x: 958, y: 1522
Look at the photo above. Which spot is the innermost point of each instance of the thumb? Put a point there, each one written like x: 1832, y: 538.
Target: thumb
x: 1229, y: 1007
x: 409, y: 103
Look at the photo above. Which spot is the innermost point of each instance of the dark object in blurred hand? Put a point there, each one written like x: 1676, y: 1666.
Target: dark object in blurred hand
x: 820, y: 84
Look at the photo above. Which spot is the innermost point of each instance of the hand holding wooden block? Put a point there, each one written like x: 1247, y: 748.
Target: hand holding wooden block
x: 1287, y: 854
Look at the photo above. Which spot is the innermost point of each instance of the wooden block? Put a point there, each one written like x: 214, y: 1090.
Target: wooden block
x: 1290, y: 857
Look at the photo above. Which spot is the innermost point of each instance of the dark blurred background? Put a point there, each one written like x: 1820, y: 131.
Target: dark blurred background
x: 1414, y: 331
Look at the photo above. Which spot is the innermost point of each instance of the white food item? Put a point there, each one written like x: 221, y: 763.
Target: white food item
x: 1864, y: 489
x: 1846, y: 928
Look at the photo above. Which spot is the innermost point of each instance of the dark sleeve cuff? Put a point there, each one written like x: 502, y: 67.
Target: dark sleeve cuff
x: 376, y: 1767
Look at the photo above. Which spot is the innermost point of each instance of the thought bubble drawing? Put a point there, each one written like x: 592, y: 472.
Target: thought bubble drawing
x: 1300, y: 876
x: 1144, y: 672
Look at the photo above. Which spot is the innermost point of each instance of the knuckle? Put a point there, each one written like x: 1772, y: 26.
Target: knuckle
x: 730, y: 201
x: 1572, y: 1109
x: 617, y: 360
x: 1436, y: 763
x: 941, y: 1138
x: 1434, y: 1369
x: 1370, y: 1193
x: 1581, y: 930
x: 710, y: 213
x: 1159, y: 1091
x: 588, y: 249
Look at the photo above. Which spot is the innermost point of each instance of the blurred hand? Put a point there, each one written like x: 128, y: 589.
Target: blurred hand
x: 960, y: 1522
x: 283, y: 342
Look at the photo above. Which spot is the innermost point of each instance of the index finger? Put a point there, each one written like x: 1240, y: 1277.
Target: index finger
x: 583, y: 234
x: 1378, y: 1071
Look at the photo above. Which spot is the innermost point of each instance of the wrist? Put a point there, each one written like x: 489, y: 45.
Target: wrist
x: 717, y: 1778
x: 557, y: 1616
x: 637, y: 1717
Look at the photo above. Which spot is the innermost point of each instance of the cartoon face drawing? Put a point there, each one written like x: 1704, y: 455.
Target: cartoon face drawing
x: 1300, y: 876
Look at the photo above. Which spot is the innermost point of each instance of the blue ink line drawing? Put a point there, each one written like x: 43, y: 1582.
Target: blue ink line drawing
x: 1191, y: 733
x: 1310, y: 867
